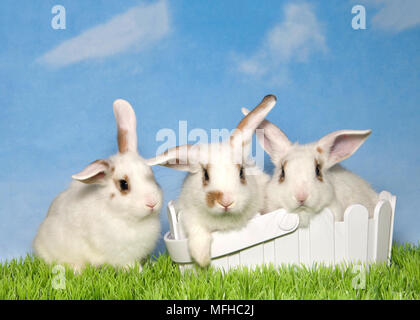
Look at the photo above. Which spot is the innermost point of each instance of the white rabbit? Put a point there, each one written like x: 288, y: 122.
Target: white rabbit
x: 223, y: 189
x: 110, y: 213
x: 307, y: 178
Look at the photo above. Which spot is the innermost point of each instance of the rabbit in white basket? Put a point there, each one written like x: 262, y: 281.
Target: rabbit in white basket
x: 307, y: 178
x: 110, y: 212
x: 223, y: 189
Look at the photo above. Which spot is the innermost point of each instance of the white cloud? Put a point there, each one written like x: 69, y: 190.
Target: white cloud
x: 135, y: 29
x: 396, y: 15
x: 294, y: 39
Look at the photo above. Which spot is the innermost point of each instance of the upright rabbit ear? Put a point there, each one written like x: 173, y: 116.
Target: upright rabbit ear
x: 94, y: 173
x: 126, y: 125
x: 242, y: 135
x: 340, y: 145
x: 273, y: 140
x: 184, y: 158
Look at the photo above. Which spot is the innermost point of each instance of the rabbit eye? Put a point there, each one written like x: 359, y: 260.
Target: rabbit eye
x: 318, y: 172
x: 123, y: 185
x: 206, y: 177
x: 282, y: 172
x: 242, y: 174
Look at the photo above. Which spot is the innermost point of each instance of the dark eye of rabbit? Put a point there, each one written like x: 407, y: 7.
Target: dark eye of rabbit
x: 282, y: 173
x: 206, y: 177
x: 123, y: 185
x: 318, y: 171
x: 242, y: 174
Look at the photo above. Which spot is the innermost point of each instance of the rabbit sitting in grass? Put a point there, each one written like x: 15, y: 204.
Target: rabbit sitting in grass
x: 110, y: 212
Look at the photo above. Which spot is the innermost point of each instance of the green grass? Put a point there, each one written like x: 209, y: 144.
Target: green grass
x: 30, y: 278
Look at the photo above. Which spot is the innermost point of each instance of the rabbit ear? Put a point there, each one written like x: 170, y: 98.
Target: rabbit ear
x: 94, y: 173
x: 243, y: 133
x: 273, y: 140
x: 340, y: 145
x: 126, y: 125
x: 182, y: 158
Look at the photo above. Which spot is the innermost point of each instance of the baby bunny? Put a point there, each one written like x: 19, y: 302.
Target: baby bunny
x: 223, y: 189
x: 307, y: 178
x: 110, y: 212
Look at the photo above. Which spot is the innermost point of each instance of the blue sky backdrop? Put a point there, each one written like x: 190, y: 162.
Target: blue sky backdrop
x: 201, y: 62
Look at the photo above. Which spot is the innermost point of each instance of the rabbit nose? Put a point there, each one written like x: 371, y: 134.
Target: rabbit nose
x: 301, y: 197
x: 225, y: 201
x: 219, y: 197
x: 151, y: 200
x: 151, y: 204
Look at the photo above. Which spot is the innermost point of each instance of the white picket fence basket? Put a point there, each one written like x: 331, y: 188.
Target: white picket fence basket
x: 274, y: 238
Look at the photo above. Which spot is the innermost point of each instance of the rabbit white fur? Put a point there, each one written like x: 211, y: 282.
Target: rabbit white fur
x: 110, y: 213
x: 307, y: 178
x: 223, y: 189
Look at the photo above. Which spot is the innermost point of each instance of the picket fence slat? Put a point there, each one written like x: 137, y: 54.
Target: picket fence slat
x: 322, y: 238
x: 371, y: 240
x: 304, y: 246
x: 252, y: 256
x: 269, y: 252
x: 287, y: 249
x: 382, y: 218
x: 356, y: 221
x: 339, y: 243
x: 234, y: 259
x: 385, y: 195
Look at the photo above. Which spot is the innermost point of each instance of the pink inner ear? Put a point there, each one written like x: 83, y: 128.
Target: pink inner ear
x: 100, y: 175
x: 344, y: 146
x: 94, y: 172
